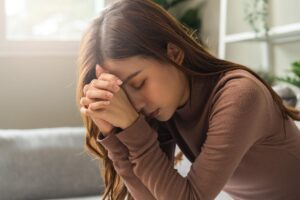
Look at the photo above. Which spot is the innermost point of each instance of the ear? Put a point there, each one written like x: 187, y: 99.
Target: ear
x: 175, y: 53
x: 99, y: 70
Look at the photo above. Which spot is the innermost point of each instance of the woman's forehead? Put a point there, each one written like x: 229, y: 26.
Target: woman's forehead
x: 124, y: 67
x: 127, y: 65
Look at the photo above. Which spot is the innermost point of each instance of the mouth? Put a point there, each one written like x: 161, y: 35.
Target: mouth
x: 153, y: 114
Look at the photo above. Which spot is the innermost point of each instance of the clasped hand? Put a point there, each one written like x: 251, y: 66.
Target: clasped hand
x: 106, y: 103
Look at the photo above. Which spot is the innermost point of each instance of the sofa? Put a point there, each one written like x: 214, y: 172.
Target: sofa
x: 50, y: 163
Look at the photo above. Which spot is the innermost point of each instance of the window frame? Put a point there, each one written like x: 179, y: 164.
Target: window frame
x: 34, y: 47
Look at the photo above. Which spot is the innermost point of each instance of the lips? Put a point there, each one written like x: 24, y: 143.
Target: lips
x: 154, y: 113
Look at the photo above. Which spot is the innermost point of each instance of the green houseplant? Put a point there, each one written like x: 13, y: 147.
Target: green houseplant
x: 293, y: 79
x: 287, y: 93
x: 190, y: 18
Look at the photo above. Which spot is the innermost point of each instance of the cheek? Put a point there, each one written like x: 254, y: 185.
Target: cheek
x: 158, y: 93
x: 151, y: 93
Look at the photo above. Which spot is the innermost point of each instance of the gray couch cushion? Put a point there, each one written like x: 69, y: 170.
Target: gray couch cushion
x: 46, y: 163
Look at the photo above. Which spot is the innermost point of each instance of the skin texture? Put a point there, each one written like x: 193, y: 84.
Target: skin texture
x: 157, y: 86
x: 118, y: 113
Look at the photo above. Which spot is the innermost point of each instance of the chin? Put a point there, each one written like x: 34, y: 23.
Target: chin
x: 163, y: 116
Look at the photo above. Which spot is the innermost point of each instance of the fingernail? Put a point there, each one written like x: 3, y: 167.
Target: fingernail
x: 119, y: 81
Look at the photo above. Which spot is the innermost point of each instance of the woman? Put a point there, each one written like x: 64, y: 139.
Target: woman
x: 146, y: 84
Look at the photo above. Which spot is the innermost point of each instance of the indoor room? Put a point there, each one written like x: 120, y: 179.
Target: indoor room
x: 211, y: 109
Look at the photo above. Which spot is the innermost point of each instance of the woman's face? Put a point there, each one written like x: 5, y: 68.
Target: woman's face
x: 151, y: 85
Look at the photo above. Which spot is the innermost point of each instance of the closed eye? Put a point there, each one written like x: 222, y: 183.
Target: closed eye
x: 141, y: 85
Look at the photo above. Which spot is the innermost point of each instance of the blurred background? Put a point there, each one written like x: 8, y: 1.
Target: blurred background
x: 39, y: 44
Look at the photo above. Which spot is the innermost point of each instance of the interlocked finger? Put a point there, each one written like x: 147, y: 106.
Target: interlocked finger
x: 106, y: 85
x: 85, y: 89
x: 98, y: 105
x: 99, y: 94
x: 110, y: 77
x: 86, y: 102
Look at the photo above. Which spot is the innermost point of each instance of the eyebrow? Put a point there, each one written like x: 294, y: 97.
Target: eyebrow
x: 131, y: 76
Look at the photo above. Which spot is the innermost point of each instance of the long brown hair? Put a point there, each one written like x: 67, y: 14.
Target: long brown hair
x: 140, y: 27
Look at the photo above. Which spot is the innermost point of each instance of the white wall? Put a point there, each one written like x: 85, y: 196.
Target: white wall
x: 38, y: 91
x: 248, y: 53
x: 210, y: 25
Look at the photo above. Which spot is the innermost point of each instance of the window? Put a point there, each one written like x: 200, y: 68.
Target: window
x: 45, y: 25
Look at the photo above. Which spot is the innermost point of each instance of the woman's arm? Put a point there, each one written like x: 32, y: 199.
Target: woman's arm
x: 236, y: 122
x: 118, y: 153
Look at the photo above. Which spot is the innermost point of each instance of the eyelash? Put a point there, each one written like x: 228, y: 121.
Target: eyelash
x: 140, y: 85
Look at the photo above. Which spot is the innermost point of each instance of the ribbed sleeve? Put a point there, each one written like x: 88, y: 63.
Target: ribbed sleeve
x: 118, y: 153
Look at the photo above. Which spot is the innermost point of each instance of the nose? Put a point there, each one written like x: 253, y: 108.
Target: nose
x: 137, y: 100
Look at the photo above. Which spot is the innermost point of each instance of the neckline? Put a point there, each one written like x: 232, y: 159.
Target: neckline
x: 200, y: 90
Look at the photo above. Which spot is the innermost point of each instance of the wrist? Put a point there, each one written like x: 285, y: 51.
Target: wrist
x: 105, y: 134
x: 130, y: 120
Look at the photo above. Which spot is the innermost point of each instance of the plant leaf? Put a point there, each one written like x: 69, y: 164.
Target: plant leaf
x: 296, y: 64
x: 290, y: 80
x: 191, y: 19
x: 296, y: 69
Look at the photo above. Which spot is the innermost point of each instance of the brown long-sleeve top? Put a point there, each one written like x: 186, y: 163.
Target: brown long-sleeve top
x: 232, y: 132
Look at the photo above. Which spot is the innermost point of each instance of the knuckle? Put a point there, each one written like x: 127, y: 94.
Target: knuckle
x: 94, y: 82
x: 85, y: 89
x: 89, y: 94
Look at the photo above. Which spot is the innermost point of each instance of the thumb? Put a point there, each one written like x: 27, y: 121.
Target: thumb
x: 99, y: 70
